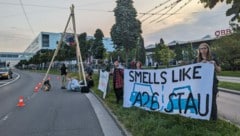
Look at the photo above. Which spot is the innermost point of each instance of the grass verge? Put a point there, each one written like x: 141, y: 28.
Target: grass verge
x: 229, y: 85
x: 229, y: 73
x: 145, y: 123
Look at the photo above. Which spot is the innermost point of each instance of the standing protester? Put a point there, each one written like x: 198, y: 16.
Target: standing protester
x: 138, y: 65
x: 63, y: 70
x: 118, y: 81
x: 89, y: 70
x: 205, y: 55
x: 133, y: 64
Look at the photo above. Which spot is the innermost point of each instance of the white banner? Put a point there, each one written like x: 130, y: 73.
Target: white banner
x: 185, y: 90
x: 103, y: 82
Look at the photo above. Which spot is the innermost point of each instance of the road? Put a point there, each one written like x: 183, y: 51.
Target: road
x: 228, y: 103
x: 228, y: 106
x: 55, y: 113
x: 4, y: 82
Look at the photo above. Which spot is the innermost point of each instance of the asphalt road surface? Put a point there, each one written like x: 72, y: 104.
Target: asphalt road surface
x: 228, y: 106
x: 54, y: 113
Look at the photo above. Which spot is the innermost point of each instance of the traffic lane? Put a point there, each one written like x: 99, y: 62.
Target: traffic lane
x: 24, y: 86
x: 56, y: 113
x: 228, y: 106
x: 4, y: 82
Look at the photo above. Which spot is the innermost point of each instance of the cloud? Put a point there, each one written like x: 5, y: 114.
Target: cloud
x: 190, y: 26
x: 192, y: 22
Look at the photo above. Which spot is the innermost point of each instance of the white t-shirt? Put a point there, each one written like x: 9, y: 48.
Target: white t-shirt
x: 73, y: 84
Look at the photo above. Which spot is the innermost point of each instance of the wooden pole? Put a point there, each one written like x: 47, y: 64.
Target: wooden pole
x: 56, y: 51
x: 78, y: 52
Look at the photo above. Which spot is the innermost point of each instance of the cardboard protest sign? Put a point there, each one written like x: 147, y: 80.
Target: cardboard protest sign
x: 103, y: 82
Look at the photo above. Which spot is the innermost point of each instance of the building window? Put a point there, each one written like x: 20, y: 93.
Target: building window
x: 45, y: 40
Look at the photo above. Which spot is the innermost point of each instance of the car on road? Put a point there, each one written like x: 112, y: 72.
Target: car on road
x: 5, y: 73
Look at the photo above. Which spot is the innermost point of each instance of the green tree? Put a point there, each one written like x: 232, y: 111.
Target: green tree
x: 127, y: 29
x: 83, y: 45
x: 117, y: 54
x: 22, y: 62
x: 156, y: 55
x: 178, y: 51
x: 140, y: 51
x: 189, y: 53
x: 227, y: 49
x: 90, y: 43
x: 62, y: 53
x: 234, y: 11
x: 36, y: 59
x: 166, y: 55
x: 162, y: 41
x: 98, y: 49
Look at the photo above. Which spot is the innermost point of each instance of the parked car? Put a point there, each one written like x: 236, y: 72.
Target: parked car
x: 5, y: 72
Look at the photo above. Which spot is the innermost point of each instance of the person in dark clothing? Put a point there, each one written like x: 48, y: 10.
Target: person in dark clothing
x: 47, y: 85
x: 118, y: 81
x: 89, y: 70
x: 205, y: 55
x: 63, y: 70
x: 133, y: 64
x: 90, y: 82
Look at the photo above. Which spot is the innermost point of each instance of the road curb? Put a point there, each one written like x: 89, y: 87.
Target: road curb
x: 229, y: 91
x: 229, y: 121
x: 119, y: 124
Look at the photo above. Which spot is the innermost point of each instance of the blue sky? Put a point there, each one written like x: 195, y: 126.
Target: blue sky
x: 20, y: 25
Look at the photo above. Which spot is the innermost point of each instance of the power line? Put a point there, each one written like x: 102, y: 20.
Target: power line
x: 195, y: 12
x: 32, y: 5
x: 159, y: 5
x: 175, y: 11
x: 51, y: 7
x: 171, y: 7
x: 30, y: 26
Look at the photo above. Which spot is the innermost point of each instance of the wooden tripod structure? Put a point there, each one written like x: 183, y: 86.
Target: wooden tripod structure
x: 81, y: 73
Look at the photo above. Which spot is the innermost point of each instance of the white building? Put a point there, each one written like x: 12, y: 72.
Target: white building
x: 45, y: 40
x: 49, y: 40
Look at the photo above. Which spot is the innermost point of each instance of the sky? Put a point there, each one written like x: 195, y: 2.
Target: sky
x: 22, y: 20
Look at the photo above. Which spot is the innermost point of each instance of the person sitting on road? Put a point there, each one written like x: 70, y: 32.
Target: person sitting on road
x: 46, y: 85
x: 73, y: 84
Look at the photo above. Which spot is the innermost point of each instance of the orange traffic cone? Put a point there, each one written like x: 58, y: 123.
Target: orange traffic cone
x: 20, y: 102
x: 39, y: 84
x: 36, y: 89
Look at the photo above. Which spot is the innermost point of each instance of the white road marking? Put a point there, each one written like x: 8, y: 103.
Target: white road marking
x: 4, y: 84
